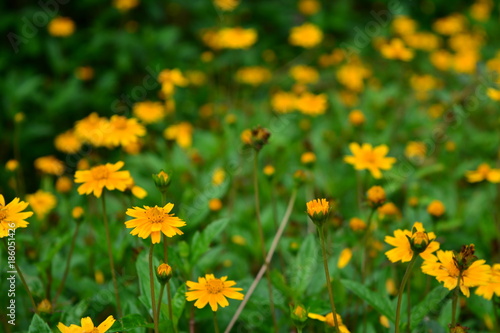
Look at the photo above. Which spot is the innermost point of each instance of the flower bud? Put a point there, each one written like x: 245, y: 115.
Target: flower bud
x: 298, y: 315
x: 162, y: 180
x: 44, y: 306
x: 318, y: 210
x: 163, y: 273
x: 376, y: 196
x: 419, y: 241
x: 458, y: 329
x: 77, y: 213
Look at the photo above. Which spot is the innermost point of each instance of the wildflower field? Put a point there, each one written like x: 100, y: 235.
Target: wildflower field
x: 250, y: 166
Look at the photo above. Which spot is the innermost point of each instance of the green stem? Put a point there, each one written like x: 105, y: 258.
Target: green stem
x: 152, y: 287
x: 21, y: 277
x: 216, y: 323
x: 170, y: 312
x: 408, y: 307
x: 327, y: 275
x: 158, y: 309
x: 261, y: 237
x: 454, y: 303
x: 68, y: 263
x: 364, y: 243
x: 110, y: 255
x: 401, y: 290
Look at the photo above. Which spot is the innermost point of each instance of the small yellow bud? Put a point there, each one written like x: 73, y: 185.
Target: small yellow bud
x: 162, y: 180
x: 12, y: 165
x: 376, y: 196
x: 77, y: 213
x: 318, y: 210
x: 215, y: 204
x: 44, y: 306
x: 436, y: 208
x: 163, y: 273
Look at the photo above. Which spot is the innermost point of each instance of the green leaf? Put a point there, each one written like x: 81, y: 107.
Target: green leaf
x: 142, y: 266
x: 378, y: 301
x: 431, y: 302
x: 201, y: 241
x: 304, y: 266
x: 130, y: 322
x: 38, y: 325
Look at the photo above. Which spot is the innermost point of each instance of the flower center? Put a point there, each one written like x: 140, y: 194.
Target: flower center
x: 120, y: 123
x: 3, y: 213
x: 214, y: 286
x: 155, y: 215
x: 369, y: 157
x: 100, y: 172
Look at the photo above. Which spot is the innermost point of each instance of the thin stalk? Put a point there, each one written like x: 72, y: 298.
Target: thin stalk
x: 158, y: 311
x: 21, y: 277
x: 216, y: 323
x: 152, y: 287
x: 401, y: 290
x: 264, y: 267
x: 165, y: 260
x: 261, y: 238
x: 68, y: 263
x: 110, y: 255
x: 364, y: 243
x: 454, y: 303
x: 327, y: 276
x: 408, y: 307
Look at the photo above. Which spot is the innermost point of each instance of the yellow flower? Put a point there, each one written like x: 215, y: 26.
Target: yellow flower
x: 441, y: 59
x: 318, y: 210
x: 61, y: 27
x: 405, y: 248
x: 269, y: 170
x: 493, y: 94
x: 304, y: 74
x: 466, y: 61
x: 92, y: 129
x: 396, y: 49
x: 390, y: 286
x: 236, y: 38
x: 213, y: 291
x: 334, y: 58
x: 308, y: 158
x: 388, y: 209
x: 307, y: 35
x: 12, y: 215
x: 84, y: 73
x: 169, y: 79
x: 436, y: 208
x: 483, y: 172
x: 444, y: 268
x: 493, y: 285
x: 376, y: 196
x: 182, y: 133
x: 450, y: 25
x: 77, y: 212
x: 422, y: 41
x: 357, y: 224
x: 384, y: 321
x: 226, y: 5
x: 138, y: 192
x: 344, y: 258
x: 153, y: 221
x: 214, y: 204
x: 328, y: 319
x: 98, y: 177
x: 41, y: 202
x: 50, y: 165
x: 254, y: 76
x: 218, y: 176
x: 367, y: 158
x: 311, y: 104
x: 64, y: 184
x: 125, y: 5
x: 356, y: 117
x: 44, y: 306
x: 68, y: 142
x: 403, y: 25
x: 123, y: 131
x: 239, y: 240
x: 87, y: 326
x: 415, y: 149
x: 12, y: 165
x: 99, y: 277
x: 163, y: 273
x: 309, y: 7
x: 149, y: 112
x: 283, y: 102
x: 413, y: 201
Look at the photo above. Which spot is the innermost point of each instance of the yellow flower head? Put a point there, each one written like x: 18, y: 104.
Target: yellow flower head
x: 436, y: 208
x: 328, y: 319
x: 344, y: 258
x: 12, y: 215
x: 318, y: 210
x: 123, y: 131
x: 309, y: 7
x: 149, y: 112
x: 450, y: 25
x: 12, y: 165
x: 444, y: 267
x: 357, y: 224
x: 215, y: 204
x: 304, y: 74
x: 77, y: 213
x: 483, y: 172
x: 218, y: 176
x: 403, y: 25
x: 407, y: 243
x: 376, y: 196
x: 269, y: 170
x: 50, y: 165
x: 64, y: 184
x: 236, y: 38
x: 162, y: 180
x: 61, y: 27
x: 153, y: 221
x: 493, y: 285
x: 415, y: 150
x: 163, y: 273
x: 311, y: 104
x: 226, y: 5
x: 213, y: 291
x: 92, y: 129
x: 87, y: 326
x: 182, y: 133
x: 283, y: 102
x: 307, y: 35
x: 124, y: 5
x: 101, y: 176
x: 441, y: 59
x: 356, y: 118
x: 396, y: 50
x: 44, y: 306
x: 68, y: 142
x: 254, y: 75
x: 41, y: 202
x: 367, y: 158
x: 308, y: 158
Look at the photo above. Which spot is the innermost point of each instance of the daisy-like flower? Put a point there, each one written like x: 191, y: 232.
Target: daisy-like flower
x: 87, y: 326
x: 41, y: 202
x: 123, y: 131
x: 182, y: 133
x: 447, y: 266
x: 493, y: 285
x: 92, y: 129
x: 407, y: 242
x: 50, y: 165
x: 370, y: 158
x: 12, y: 215
x: 328, y: 319
x: 68, y: 142
x: 98, y: 177
x: 153, y: 221
x: 213, y: 291
x: 483, y: 172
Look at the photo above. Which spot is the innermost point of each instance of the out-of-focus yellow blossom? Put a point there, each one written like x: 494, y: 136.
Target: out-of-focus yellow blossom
x: 61, y: 27
x: 93, y: 129
x: 64, y: 184
x: 310, y: 104
x: 494, y: 94
x: 356, y: 117
x: 226, y: 5
x: 425, y: 41
x: 415, y: 149
x: 138, y: 191
x: 83, y: 164
x: 328, y: 319
x: 357, y: 224
x: 390, y: 286
x: 465, y: 62
x: 68, y: 142
x: 149, y: 112
x: 304, y: 74
x: 269, y: 170
x: 352, y: 74
x: 396, y: 50
x: 483, y: 172
x: 403, y: 25
x: 422, y: 84
x: 413, y: 201
x: 436, y: 208
x: 214, y: 204
x: 239, y: 240
x: 124, y: 5
x: 494, y: 64
x: 12, y: 165
x: 344, y: 258
x: 196, y: 78
x: 133, y: 148
x: 255, y: 75
x: 42, y: 203
x: 493, y: 286
x: 388, y: 209
x: 331, y: 59
x: 436, y: 110
x: 309, y: 7
x: 283, y: 102
x: 77, y: 212
x: 450, y: 25
x: 218, y: 176
x: 50, y: 165
x: 441, y: 59
x: 466, y: 42
x: 384, y: 321
x: 307, y: 35
x: 366, y: 157
x: 308, y: 158
x: 348, y: 98
x: 84, y: 73
x: 123, y: 131
x: 450, y: 146
x: 182, y: 133
x: 236, y: 38
x: 44, y: 306
x: 171, y: 78
x: 481, y: 10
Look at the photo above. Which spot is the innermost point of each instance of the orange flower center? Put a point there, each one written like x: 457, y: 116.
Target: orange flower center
x: 369, y: 157
x: 214, y: 286
x: 155, y: 215
x: 100, y: 172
